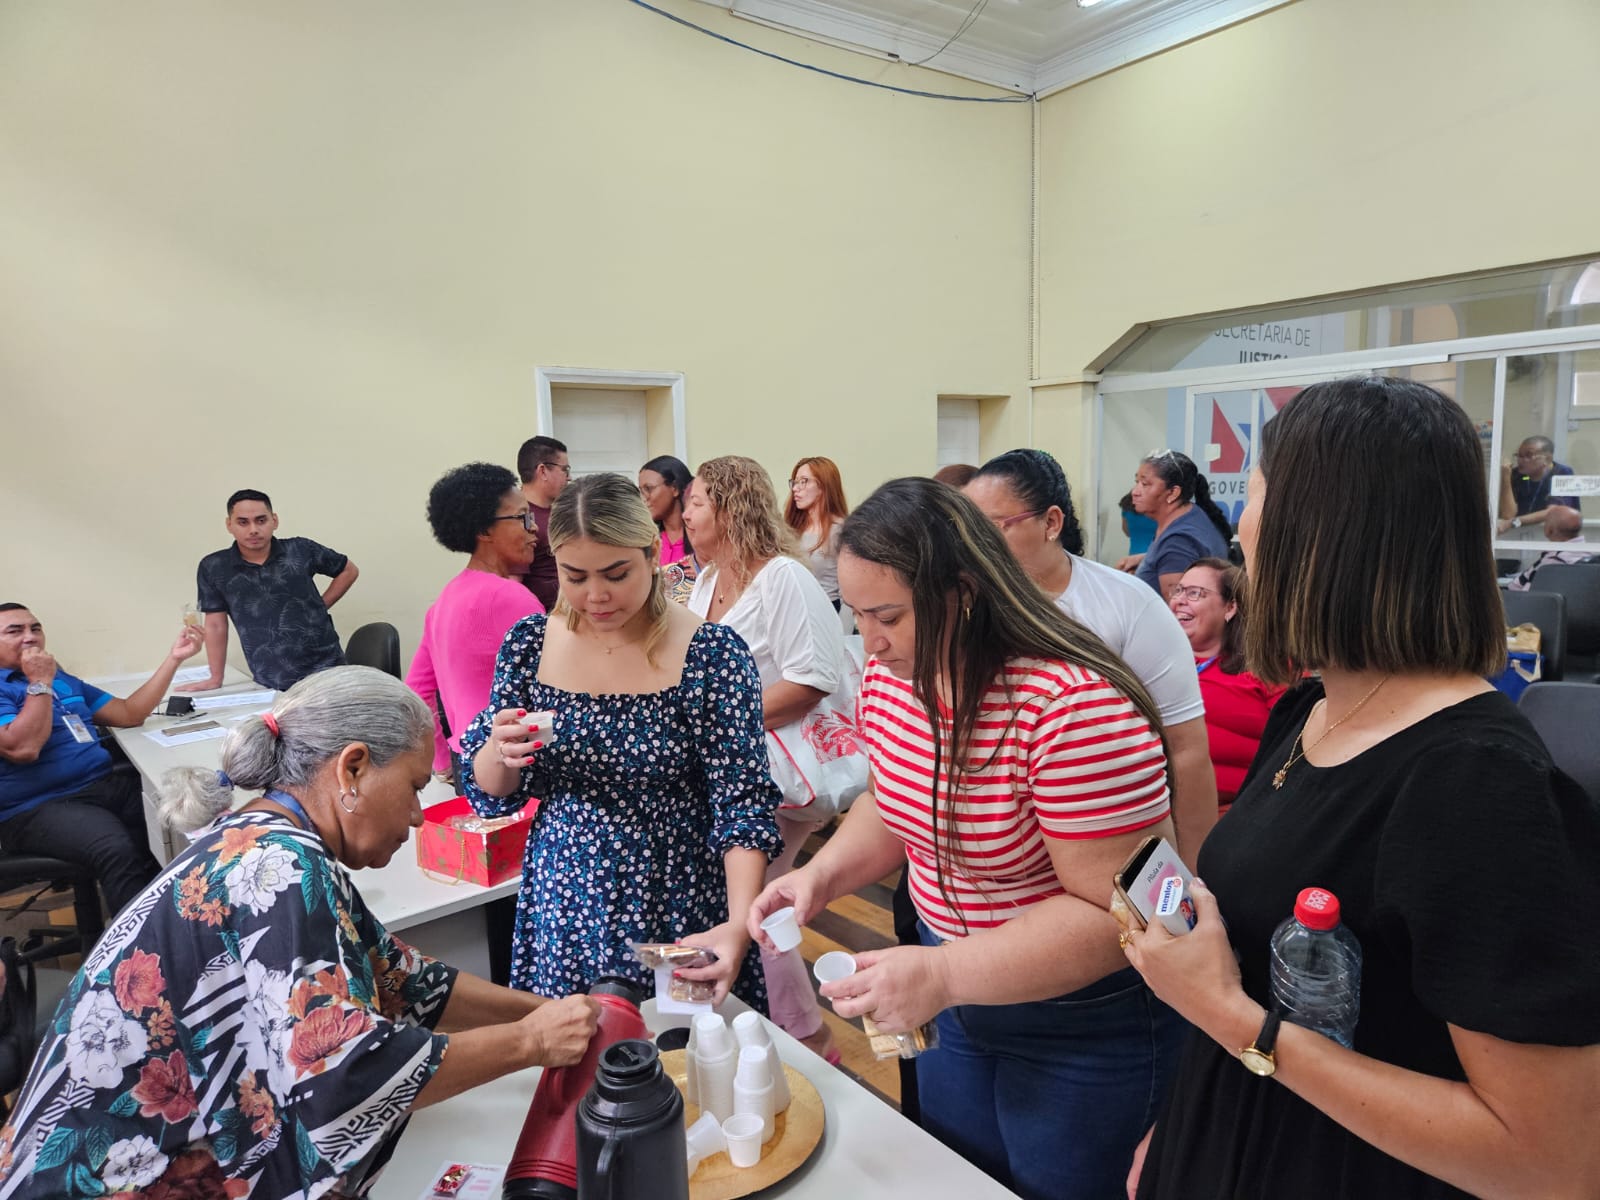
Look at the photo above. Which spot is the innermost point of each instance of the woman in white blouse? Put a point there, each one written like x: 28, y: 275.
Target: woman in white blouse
x: 753, y: 581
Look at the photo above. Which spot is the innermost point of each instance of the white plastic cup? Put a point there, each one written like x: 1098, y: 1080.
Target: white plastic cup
x: 541, y: 726
x: 783, y: 929
x: 704, y: 1139
x: 753, y: 1071
x: 744, y: 1139
x: 751, y: 1030
x: 752, y: 1089
x: 833, y: 966
x: 714, y: 1065
x: 691, y: 1062
x: 711, y: 1039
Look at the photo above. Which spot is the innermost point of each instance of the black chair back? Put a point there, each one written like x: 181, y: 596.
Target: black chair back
x: 1580, y: 584
x: 1566, y: 716
x: 375, y: 645
x: 1547, y: 612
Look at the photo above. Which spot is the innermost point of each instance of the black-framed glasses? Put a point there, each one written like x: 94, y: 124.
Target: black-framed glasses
x: 527, y: 518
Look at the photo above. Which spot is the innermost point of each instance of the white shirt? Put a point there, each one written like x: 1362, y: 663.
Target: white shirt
x: 788, y: 623
x: 1141, y: 630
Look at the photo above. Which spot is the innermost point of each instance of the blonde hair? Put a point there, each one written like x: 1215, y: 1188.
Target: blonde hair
x: 607, y: 508
x: 753, y: 530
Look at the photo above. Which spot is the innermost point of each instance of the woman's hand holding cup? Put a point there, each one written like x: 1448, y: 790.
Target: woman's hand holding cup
x: 517, y: 733
x: 800, y: 890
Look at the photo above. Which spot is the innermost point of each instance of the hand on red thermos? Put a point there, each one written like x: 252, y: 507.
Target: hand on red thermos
x: 560, y: 1030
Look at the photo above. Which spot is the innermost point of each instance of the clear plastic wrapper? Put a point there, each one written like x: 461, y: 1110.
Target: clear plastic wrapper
x: 675, y: 956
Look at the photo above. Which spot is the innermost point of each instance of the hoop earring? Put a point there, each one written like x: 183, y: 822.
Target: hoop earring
x: 349, y: 808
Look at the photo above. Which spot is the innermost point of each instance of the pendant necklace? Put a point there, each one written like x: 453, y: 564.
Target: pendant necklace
x: 1296, y: 753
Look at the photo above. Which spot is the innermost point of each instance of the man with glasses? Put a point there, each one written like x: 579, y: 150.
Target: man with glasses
x: 267, y: 586
x: 1525, y: 498
x: 543, y: 467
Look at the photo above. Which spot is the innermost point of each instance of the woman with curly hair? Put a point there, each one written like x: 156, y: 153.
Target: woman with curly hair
x: 477, y: 510
x: 815, y: 511
x: 756, y: 585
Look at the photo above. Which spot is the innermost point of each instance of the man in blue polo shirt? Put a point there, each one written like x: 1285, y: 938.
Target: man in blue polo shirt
x: 268, y: 586
x: 58, y: 795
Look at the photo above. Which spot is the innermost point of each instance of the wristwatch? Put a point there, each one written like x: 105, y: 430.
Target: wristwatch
x: 39, y: 689
x: 1258, y: 1057
x: 1516, y: 522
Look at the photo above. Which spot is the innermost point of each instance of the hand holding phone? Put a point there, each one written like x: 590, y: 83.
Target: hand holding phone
x: 1143, y: 884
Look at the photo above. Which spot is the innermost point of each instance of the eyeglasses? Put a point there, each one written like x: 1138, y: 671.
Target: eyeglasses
x: 562, y: 467
x: 1189, y: 593
x: 796, y: 484
x: 527, y: 519
x: 650, y: 489
x: 1005, y: 523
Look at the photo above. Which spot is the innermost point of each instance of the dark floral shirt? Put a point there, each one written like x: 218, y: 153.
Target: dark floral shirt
x: 245, y: 1027
x: 276, y: 606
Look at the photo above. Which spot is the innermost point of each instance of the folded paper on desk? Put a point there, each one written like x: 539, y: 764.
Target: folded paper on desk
x: 182, y: 735
x: 484, y: 856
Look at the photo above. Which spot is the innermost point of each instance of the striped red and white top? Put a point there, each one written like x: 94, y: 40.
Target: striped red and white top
x: 1057, y: 752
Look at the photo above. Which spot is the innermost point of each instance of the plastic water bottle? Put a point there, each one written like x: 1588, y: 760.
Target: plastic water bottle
x: 1316, y: 968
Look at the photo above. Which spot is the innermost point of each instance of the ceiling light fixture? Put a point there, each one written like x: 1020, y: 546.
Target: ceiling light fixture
x: 1088, y: 3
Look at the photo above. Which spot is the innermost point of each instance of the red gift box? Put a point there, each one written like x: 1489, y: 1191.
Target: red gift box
x: 482, y: 858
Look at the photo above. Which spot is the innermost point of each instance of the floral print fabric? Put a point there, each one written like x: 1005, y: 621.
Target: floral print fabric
x: 244, y: 1028
x: 640, y: 798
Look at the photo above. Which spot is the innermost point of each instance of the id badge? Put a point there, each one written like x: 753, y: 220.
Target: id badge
x: 75, y: 726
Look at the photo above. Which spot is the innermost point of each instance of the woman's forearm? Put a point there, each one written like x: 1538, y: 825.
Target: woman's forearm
x: 477, y: 1056
x: 1059, y: 945
x: 861, y: 851
x: 474, y: 1002
x: 491, y: 774
x: 747, y: 872
x: 783, y: 703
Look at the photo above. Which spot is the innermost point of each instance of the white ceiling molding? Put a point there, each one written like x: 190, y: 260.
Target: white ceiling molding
x: 1153, y: 32
x: 1028, y: 46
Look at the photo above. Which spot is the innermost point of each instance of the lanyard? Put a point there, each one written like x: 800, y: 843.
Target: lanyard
x: 293, y: 805
x: 1198, y: 667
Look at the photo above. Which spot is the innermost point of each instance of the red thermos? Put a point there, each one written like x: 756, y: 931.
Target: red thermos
x: 544, y: 1165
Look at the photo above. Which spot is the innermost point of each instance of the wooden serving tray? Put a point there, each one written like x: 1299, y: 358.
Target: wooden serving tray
x: 796, y: 1133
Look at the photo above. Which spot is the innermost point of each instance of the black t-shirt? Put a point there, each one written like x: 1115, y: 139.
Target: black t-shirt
x: 1467, y: 866
x: 277, y: 607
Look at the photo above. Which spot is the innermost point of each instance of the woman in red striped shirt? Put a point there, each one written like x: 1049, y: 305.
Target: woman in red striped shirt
x: 1016, y: 764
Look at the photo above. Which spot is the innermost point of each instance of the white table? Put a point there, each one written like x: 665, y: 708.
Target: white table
x: 439, y: 917
x: 868, y: 1149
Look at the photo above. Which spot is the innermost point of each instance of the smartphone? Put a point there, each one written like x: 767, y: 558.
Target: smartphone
x: 1142, y: 884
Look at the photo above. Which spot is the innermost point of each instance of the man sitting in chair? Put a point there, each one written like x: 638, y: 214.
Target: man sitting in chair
x: 58, y: 794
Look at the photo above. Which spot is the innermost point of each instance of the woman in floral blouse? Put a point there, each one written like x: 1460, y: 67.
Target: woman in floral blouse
x: 246, y: 1027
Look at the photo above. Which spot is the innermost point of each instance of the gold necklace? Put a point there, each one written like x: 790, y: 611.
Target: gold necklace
x: 1296, y: 753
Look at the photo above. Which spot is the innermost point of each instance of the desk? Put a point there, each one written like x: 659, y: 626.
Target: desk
x: 436, y: 916
x: 868, y: 1149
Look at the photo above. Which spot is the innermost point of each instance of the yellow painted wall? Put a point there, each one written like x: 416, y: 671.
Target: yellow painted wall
x: 318, y: 249
x: 1326, y: 146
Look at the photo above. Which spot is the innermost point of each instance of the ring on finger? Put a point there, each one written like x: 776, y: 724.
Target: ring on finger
x: 1123, y: 939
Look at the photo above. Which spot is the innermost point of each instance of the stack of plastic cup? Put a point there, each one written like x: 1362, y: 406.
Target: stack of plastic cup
x: 715, y: 1064
x: 751, y: 1030
x: 752, y: 1089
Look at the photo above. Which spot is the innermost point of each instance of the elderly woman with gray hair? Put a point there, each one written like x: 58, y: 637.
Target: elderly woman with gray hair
x: 247, y: 1025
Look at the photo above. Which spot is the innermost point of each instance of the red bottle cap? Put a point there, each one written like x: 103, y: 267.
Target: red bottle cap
x: 1317, y: 909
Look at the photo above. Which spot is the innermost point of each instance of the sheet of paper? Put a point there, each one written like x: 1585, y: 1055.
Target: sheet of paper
x: 481, y: 1182
x: 192, y: 675
x: 181, y: 736
x: 209, y: 700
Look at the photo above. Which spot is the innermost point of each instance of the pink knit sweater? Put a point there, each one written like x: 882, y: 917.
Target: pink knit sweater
x: 461, y: 635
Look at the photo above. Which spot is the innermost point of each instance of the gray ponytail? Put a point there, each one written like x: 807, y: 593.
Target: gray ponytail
x: 317, y: 718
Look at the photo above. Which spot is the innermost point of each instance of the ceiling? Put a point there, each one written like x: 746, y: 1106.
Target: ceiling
x: 1036, y: 46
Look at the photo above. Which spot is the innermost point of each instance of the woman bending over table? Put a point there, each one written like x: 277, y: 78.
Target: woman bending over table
x: 655, y: 820
x: 1416, y: 793
x: 1016, y: 764
x: 246, y: 1026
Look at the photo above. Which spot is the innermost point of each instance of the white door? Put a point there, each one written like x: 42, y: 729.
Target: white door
x: 958, y: 432
x: 603, y: 428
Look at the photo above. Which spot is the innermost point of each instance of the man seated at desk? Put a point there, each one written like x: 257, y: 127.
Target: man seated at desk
x: 1525, y: 484
x: 58, y: 794
x: 267, y: 585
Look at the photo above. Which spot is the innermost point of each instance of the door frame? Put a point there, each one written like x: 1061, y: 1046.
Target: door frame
x: 545, y: 377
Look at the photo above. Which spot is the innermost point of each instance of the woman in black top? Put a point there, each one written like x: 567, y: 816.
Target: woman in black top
x: 1400, y: 781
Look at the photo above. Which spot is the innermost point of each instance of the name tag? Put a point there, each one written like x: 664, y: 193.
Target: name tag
x: 75, y: 726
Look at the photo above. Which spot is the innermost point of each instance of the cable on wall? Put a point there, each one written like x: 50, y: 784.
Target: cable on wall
x: 871, y: 83
x: 973, y: 15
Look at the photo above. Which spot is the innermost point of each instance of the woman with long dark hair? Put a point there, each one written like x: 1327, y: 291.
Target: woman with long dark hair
x: 1169, y: 488
x: 1016, y: 763
x: 1404, y: 784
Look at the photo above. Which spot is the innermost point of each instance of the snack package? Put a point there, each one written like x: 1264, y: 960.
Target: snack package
x: 899, y: 1045
x: 671, y: 956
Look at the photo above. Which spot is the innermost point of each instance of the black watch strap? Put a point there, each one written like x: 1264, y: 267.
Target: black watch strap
x: 1267, y: 1039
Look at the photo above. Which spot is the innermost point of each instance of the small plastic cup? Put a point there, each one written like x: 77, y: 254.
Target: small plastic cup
x: 541, y: 726
x: 711, y: 1037
x: 783, y: 929
x: 744, y: 1139
x: 833, y: 966
x: 753, y: 1070
x: 704, y: 1139
x: 749, y: 1030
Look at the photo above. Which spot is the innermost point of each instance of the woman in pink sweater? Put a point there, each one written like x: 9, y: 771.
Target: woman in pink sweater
x: 1209, y: 605
x: 478, y: 510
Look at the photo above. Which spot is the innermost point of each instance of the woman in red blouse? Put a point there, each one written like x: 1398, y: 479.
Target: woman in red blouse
x: 1209, y: 604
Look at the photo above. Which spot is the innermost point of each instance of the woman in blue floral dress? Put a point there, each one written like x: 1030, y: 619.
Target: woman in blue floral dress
x: 246, y: 1026
x: 656, y: 814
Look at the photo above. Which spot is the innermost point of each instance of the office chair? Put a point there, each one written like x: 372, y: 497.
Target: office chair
x: 1566, y: 716
x: 1547, y: 612
x: 375, y: 645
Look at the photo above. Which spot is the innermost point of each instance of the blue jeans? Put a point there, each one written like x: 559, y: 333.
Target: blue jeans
x: 1051, y: 1097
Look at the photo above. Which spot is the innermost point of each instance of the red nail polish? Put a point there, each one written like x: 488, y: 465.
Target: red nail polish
x: 522, y: 712
x: 538, y: 745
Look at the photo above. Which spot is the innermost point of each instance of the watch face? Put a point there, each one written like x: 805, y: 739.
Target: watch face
x: 1257, y: 1062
